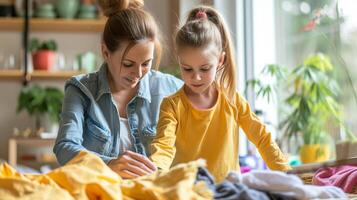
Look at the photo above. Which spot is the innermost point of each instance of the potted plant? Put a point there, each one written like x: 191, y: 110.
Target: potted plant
x: 43, y: 54
x: 311, y: 104
x: 41, y: 103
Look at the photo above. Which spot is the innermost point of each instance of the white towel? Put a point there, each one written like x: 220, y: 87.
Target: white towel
x: 285, y: 184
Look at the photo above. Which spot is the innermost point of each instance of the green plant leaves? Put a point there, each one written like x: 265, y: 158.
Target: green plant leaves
x: 319, y: 61
x: 312, y: 102
x: 268, y: 90
x: 38, y: 101
x: 36, y: 45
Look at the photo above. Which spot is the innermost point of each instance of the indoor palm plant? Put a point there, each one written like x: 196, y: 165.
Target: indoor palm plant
x: 41, y: 102
x: 311, y: 104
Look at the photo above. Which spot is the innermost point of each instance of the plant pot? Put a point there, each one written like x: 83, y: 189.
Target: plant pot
x: 45, y: 128
x: 310, y: 153
x: 47, y: 124
x: 43, y: 60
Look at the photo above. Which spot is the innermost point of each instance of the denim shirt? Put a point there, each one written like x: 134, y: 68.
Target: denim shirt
x: 90, y: 119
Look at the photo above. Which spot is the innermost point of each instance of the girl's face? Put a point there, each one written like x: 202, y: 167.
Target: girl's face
x: 199, y: 67
x: 127, y: 71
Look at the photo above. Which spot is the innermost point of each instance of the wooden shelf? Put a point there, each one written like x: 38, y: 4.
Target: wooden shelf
x: 33, y: 141
x: 17, y: 74
x: 9, y: 74
x: 55, y: 25
x: 53, y: 75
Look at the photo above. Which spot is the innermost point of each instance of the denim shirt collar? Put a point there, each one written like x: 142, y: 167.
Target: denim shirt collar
x: 103, y: 83
x: 144, y: 88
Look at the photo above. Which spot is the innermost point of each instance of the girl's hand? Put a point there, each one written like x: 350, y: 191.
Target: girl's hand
x: 132, y: 165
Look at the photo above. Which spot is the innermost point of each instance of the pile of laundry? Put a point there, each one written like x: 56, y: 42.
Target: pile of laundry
x: 265, y: 185
x: 88, y: 177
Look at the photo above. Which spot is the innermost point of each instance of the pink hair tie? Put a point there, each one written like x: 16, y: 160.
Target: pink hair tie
x: 201, y: 15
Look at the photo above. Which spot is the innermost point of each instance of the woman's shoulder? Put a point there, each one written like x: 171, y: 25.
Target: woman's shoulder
x: 83, y: 78
x: 164, y: 77
x: 164, y: 82
x: 85, y: 83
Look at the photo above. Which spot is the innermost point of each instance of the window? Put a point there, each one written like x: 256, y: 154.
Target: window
x: 334, y: 34
x: 280, y: 32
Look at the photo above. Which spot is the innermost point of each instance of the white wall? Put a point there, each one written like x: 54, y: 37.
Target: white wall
x: 69, y: 44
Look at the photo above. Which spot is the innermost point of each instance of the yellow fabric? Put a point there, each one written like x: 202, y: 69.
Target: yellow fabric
x: 178, y: 183
x: 185, y: 134
x: 14, y: 185
x: 84, y: 177
x: 88, y: 177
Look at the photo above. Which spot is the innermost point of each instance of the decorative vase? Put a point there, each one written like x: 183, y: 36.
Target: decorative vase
x: 45, y: 11
x: 67, y: 8
x: 87, y: 11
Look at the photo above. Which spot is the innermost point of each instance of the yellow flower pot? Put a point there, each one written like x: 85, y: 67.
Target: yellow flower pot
x: 311, y: 153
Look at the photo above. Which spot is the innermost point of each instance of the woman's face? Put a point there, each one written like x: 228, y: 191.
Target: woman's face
x: 127, y: 71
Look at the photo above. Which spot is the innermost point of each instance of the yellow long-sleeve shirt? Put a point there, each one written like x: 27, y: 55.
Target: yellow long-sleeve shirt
x: 185, y: 134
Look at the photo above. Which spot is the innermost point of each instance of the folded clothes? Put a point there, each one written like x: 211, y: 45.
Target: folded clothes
x: 285, y: 184
x: 344, y: 177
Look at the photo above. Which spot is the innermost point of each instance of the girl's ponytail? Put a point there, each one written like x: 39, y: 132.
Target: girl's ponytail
x: 196, y: 35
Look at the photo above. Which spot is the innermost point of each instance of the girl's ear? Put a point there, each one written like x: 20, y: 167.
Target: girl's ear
x: 222, y: 58
x: 105, y: 52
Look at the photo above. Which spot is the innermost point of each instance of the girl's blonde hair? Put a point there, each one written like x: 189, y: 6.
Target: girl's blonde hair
x: 205, y: 26
x: 127, y: 21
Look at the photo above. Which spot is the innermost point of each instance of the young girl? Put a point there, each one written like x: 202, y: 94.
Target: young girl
x: 202, y: 119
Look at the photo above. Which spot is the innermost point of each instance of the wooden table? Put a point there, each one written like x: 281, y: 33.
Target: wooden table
x: 31, y: 141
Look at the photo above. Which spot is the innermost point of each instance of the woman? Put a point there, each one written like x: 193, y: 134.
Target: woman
x: 114, y: 111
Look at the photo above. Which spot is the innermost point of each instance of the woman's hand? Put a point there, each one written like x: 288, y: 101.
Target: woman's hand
x: 132, y: 165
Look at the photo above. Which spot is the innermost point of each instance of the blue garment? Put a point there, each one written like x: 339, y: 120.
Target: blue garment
x: 90, y: 119
x: 227, y: 190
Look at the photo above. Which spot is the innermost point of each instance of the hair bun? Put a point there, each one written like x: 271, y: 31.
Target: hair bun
x: 111, y: 7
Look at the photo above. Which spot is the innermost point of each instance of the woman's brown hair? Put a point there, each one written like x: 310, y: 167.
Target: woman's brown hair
x: 127, y: 21
x: 205, y: 26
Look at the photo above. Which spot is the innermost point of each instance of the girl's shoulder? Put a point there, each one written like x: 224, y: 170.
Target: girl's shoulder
x: 235, y: 101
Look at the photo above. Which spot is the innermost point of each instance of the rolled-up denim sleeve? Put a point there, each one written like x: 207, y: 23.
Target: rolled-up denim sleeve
x: 70, y: 134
